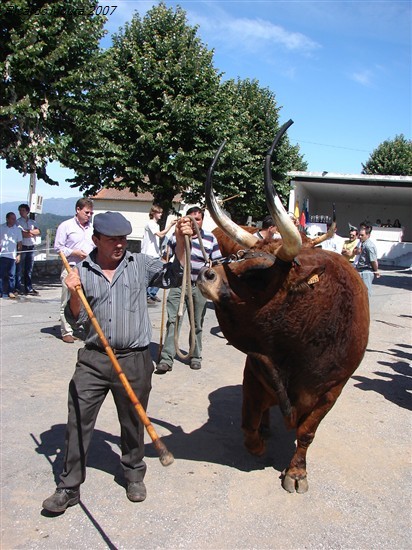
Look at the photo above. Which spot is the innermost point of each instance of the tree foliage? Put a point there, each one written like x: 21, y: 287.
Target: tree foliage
x: 46, y: 51
x: 152, y: 121
x: 159, y: 112
x: 250, y: 124
x: 147, y: 114
x: 392, y: 157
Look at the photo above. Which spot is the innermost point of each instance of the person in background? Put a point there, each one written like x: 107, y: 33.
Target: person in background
x: 268, y: 230
x: 293, y: 218
x: 74, y: 240
x: 199, y: 301
x: 24, y: 268
x: 366, y: 262
x: 151, y: 244
x: 115, y: 282
x: 396, y: 223
x: 334, y: 244
x: 10, y: 247
x: 350, y: 244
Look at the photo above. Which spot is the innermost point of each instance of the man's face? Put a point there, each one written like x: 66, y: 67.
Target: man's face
x: 11, y: 220
x: 84, y: 215
x: 198, y: 217
x: 353, y: 235
x: 363, y: 236
x: 24, y: 213
x: 157, y: 215
x: 110, y: 249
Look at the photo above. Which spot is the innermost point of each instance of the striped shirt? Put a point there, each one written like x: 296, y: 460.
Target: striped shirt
x: 120, y: 306
x: 197, y: 260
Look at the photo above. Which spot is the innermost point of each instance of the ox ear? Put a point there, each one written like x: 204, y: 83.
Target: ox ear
x: 307, y: 280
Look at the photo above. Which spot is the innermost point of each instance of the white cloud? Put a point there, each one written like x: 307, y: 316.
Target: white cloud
x: 363, y: 77
x: 254, y: 34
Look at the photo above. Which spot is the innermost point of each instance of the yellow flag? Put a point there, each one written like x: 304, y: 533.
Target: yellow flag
x: 296, y: 210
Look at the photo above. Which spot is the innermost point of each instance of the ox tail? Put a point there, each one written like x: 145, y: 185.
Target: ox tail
x: 269, y: 376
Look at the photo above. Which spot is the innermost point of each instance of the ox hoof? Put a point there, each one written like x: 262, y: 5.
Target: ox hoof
x: 292, y: 485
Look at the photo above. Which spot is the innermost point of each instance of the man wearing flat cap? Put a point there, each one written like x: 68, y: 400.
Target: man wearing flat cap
x: 114, y: 282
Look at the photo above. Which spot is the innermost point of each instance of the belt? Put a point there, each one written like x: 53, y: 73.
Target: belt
x: 116, y: 350
x: 27, y: 247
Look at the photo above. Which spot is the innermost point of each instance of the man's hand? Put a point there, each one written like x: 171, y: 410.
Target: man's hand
x: 183, y: 227
x: 79, y: 254
x: 73, y: 280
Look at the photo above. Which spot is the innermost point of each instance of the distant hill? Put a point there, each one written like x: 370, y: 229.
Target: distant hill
x: 49, y: 221
x: 60, y: 207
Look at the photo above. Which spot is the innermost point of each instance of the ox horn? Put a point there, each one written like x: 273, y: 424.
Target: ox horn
x: 230, y: 228
x: 291, y: 240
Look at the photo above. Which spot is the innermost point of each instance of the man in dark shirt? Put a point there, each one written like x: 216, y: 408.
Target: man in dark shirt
x: 366, y: 262
x: 114, y: 282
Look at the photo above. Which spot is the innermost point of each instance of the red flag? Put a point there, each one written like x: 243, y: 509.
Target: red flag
x: 302, y: 220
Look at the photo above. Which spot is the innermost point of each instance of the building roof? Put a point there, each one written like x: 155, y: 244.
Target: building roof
x: 127, y: 195
x: 354, y: 187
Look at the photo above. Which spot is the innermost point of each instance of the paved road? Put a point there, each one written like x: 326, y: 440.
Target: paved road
x: 215, y: 495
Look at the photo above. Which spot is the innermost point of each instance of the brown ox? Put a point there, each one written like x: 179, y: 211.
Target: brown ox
x: 301, y: 316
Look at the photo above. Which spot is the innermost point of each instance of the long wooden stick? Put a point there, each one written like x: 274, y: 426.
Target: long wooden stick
x: 165, y: 456
x: 162, y: 320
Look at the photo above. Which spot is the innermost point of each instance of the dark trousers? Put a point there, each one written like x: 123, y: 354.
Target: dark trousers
x: 24, y: 269
x: 7, y: 275
x: 93, y: 378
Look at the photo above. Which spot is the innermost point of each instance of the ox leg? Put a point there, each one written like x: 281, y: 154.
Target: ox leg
x: 255, y: 411
x: 295, y: 476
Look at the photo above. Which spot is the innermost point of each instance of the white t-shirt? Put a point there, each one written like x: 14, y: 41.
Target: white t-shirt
x: 27, y: 225
x: 150, y: 243
x: 9, y: 237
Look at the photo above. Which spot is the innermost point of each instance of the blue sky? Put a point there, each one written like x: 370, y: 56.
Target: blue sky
x: 340, y: 69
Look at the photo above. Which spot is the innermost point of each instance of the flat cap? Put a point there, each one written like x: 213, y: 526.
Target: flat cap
x: 193, y: 209
x: 112, y: 224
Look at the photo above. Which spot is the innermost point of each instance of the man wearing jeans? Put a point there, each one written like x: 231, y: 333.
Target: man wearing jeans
x: 24, y: 268
x: 10, y: 247
x: 367, y: 260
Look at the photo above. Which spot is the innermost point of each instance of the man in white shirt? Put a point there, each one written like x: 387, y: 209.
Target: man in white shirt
x: 10, y: 246
x: 24, y: 268
x: 74, y: 240
x: 151, y: 244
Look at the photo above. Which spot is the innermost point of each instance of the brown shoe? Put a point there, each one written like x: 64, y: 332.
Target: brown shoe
x: 12, y: 296
x: 68, y: 338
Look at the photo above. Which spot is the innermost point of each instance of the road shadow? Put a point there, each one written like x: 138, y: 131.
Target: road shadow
x: 220, y: 439
x: 395, y: 383
x: 395, y: 280
x: 101, y: 454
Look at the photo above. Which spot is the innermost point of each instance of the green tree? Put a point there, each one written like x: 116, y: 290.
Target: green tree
x: 151, y: 123
x: 393, y: 157
x: 46, y: 50
x: 251, y: 120
x: 157, y: 113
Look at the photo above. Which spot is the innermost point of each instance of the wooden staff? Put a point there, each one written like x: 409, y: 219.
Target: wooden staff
x: 166, y: 458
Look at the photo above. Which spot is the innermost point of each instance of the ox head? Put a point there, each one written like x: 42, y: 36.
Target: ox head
x: 291, y: 240
x: 257, y: 259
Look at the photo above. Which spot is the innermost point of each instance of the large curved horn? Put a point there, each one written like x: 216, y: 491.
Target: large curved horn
x: 292, y: 241
x: 230, y: 228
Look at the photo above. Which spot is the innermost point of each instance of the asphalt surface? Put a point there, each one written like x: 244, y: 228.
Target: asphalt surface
x: 215, y: 495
